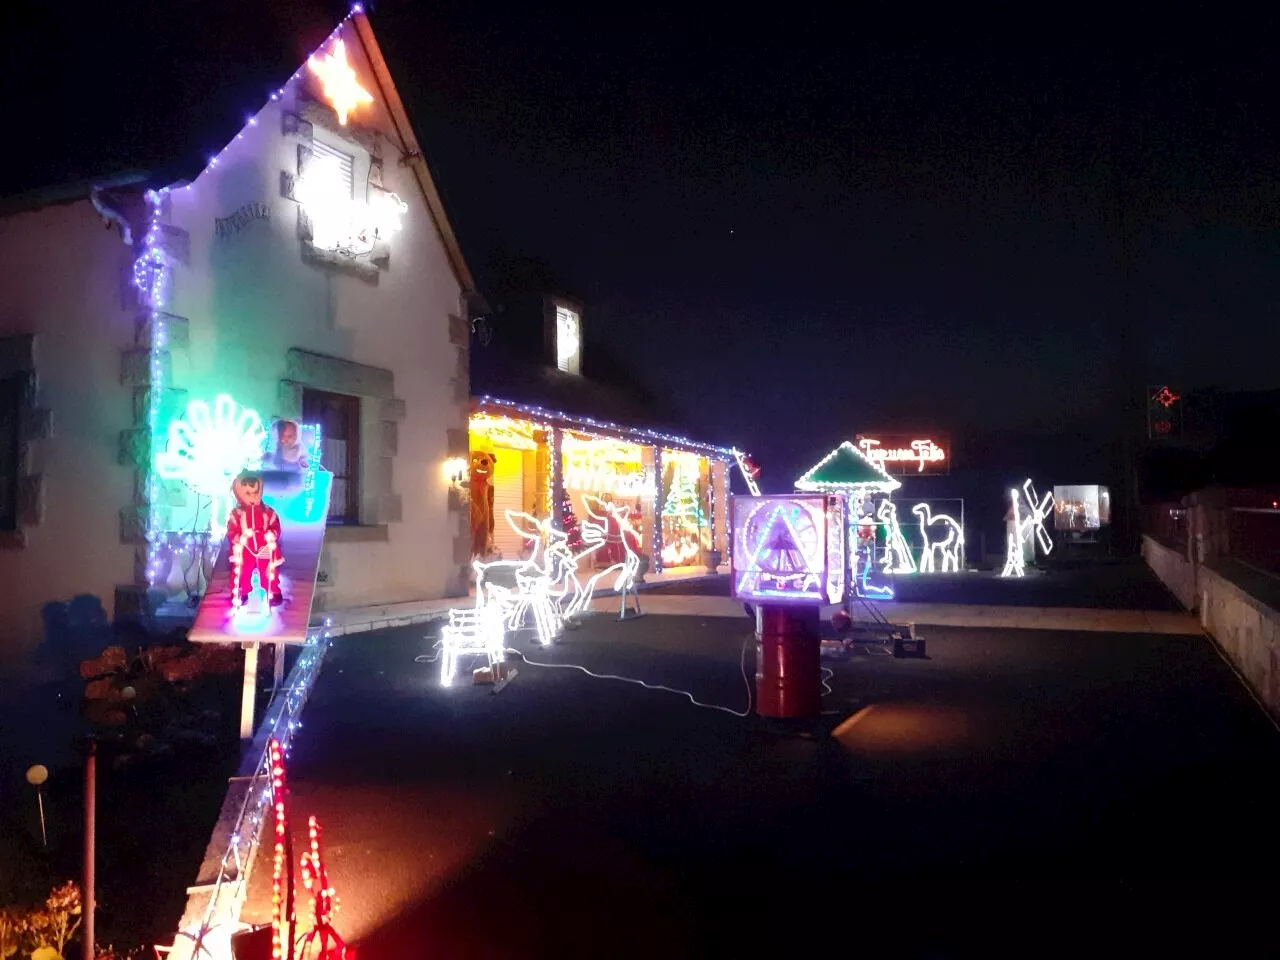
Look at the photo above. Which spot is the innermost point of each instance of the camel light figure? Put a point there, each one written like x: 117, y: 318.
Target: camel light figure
x: 897, y: 555
x: 950, y: 546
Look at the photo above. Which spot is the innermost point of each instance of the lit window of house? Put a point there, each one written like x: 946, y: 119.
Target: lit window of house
x: 344, y: 163
x: 10, y: 433
x: 339, y: 418
x: 568, y: 340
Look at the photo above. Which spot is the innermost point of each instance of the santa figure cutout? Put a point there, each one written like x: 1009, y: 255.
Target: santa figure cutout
x: 253, y: 532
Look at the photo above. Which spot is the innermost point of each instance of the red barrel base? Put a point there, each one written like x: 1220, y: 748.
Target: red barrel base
x: 788, y: 672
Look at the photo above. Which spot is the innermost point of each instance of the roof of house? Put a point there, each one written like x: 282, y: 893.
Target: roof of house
x: 167, y: 117
x: 845, y: 468
x: 518, y: 380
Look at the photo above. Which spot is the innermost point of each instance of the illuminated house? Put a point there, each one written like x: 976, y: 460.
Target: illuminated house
x: 307, y: 271
x: 563, y: 422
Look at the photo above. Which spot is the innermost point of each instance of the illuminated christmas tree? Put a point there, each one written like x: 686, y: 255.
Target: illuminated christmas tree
x: 683, y: 502
x: 682, y: 519
x: 569, y: 523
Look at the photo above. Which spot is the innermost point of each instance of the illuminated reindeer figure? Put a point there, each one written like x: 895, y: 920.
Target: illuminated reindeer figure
x: 565, y: 563
x: 536, y: 576
x: 538, y: 584
x: 594, y: 531
x: 950, y: 547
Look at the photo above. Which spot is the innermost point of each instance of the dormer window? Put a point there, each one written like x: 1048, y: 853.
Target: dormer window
x: 568, y: 340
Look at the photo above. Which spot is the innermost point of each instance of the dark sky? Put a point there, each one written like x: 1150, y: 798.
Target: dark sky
x: 803, y: 222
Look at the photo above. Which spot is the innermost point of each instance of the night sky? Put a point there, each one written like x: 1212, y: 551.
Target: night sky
x: 796, y: 224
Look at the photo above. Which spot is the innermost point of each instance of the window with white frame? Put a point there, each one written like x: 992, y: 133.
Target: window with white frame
x: 568, y: 340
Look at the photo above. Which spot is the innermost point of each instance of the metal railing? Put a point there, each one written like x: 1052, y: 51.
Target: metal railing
x: 1167, y: 523
x: 1254, y: 536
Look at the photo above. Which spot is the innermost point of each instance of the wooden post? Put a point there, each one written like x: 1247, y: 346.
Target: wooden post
x: 89, y: 902
x: 278, y: 664
x: 557, y: 477
x: 249, y: 691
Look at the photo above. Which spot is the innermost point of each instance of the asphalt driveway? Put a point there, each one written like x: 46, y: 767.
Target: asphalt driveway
x: 1045, y: 792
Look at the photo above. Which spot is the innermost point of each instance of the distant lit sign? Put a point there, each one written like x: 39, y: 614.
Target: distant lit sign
x: 1164, y: 413
x: 907, y: 454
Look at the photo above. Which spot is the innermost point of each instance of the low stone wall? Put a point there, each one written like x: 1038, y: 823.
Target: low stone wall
x: 1247, y: 630
x: 1174, y: 570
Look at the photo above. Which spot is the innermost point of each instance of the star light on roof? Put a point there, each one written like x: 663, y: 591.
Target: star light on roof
x: 341, y: 88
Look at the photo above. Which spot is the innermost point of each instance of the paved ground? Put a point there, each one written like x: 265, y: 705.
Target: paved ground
x: 1049, y: 792
x: 1116, y: 585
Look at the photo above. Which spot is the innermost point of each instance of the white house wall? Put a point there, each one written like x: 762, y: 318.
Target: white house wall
x: 252, y: 318
x: 250, y: 299
x: 66, y: 286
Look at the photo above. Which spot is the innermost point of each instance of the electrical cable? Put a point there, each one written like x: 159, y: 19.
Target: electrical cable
x: 742, y: 665
x: 423, y: 658
x: 827, y: 674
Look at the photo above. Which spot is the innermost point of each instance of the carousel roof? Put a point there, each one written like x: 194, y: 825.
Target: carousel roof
x: 845, y: 468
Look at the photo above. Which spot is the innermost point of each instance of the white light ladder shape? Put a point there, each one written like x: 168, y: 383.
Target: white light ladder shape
x: 752, y: 486
x: 475, y: 630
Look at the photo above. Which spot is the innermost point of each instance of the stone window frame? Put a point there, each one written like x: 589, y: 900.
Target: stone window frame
x: 551, y: 305
x: 18, y: 360
x: 380, y: 415
x: 365, y: 148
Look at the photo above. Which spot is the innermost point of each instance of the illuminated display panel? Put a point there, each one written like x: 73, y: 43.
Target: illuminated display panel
x: 600, y: 465
x: 501, y: 431
x: 835, y: 550
x: 1080, y: 508
x: 788, y: 549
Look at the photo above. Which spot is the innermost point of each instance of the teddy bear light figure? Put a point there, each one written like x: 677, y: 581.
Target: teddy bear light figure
x: 483, y: 464
x: 253, y: 532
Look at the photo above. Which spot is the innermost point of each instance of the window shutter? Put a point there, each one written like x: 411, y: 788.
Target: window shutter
x: 346, y: 162
x: 508, y: 494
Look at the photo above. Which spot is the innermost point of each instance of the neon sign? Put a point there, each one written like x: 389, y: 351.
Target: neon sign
x: 906, y: 454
